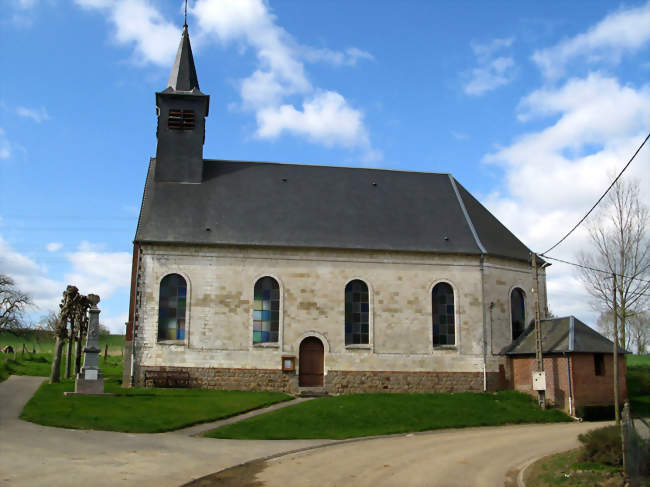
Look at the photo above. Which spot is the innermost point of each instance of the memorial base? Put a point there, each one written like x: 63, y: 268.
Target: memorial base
x: 89, y: 386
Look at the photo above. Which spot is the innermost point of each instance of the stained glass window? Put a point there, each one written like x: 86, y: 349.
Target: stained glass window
x: 444, y: 317
x: 171, y: 308
x: 356, y: 313
x: 266, y: 310
x: 517, y: 312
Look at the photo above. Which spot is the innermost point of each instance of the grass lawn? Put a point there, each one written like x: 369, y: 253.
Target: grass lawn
x: 40, y: 364
x: 139, y: 410
x: 563, y: 469
x: 356, y: 415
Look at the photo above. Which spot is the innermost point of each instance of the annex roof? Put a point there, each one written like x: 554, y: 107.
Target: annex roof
x: 562, y: 335
x: 296, y: 205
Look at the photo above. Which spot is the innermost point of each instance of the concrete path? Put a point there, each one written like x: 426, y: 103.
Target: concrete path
x: 34, y: 455
x: 197, y: 429
x: 477, y: 457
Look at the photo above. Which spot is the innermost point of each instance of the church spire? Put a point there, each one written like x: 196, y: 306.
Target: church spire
x: 183, y: 76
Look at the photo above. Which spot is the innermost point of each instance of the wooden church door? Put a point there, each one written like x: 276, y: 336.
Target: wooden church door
x: 311, y: 366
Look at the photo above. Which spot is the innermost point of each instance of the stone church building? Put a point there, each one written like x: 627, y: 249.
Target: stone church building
x: 258, y: 275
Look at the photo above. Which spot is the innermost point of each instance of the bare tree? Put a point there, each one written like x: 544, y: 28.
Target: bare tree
x: 638, y: 330
x: 620, y: 245
x: 13, y: 303
x: 49, y: 321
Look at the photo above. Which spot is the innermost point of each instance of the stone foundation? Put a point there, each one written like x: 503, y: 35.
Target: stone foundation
x: 336, y: 381
x: 352, y: 382
x: 225, y: 379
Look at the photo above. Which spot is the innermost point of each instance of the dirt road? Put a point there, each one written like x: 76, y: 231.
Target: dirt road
x: 477, y: 457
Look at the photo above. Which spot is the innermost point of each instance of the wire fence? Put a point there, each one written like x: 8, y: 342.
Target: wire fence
x: 636, y: 436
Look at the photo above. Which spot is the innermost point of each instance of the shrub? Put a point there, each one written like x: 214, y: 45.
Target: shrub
x: 596, y: 413
x: 602, y: 445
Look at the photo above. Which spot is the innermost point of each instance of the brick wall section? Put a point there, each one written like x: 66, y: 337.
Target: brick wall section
x: 231, y: 379
x: 593, y: 390
x: 588, y: 388
x: 557, y: 388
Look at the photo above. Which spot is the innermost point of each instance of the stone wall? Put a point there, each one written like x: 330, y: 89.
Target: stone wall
x: 351, y: 382
x: 228, y: 379
x: 312, y: 283
x: 336, y: 381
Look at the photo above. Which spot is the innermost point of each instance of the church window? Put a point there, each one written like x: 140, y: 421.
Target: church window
x: 171, y: 308
x: 180, y: 119
x: 266, y: 310
x: 356, y: 313
x: 444, y: 321
x: 517, y: 312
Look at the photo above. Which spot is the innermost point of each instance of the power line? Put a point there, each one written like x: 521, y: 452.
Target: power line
x: 601, y: 198
x: 609, y: 273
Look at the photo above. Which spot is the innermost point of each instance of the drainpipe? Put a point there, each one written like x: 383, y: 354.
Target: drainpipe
x: 484, y: 323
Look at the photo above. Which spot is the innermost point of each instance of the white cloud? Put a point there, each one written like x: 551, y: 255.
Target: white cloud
x: 326, y: 118
x: 323, y: 117
x: 30, y: 277
x: 492, y: 70
x: 5, y: 146
x: 98, y: 272
x: 349, y: 57
x: 38, y: 115
x: 54, y: 246
x: 618, y: 33
x: 139, y: 23
x: 553, y: 175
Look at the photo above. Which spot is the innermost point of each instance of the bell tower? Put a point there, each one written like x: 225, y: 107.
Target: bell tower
x: 181, y: 110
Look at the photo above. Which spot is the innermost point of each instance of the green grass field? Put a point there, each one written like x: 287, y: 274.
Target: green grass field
x: 356, y: 415
x: 638, y: 384
x: 139, y: 410
x: 43, y: 341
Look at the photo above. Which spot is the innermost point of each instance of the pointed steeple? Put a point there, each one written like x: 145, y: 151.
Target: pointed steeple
x: 183, y: 75
x: 181, y: 109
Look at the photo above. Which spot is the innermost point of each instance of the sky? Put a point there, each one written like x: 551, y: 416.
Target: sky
x: 532, y: 106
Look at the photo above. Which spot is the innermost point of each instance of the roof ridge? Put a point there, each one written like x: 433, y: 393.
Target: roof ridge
x: 333, y: 166
x: 467, y: 218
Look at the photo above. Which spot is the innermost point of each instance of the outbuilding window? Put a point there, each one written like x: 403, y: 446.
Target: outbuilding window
x: 517, y: 312
x: 357, y: 313
x: 599, y: 364
x: 171, y: 308
x: 266, y: 310
x: 444, y: 321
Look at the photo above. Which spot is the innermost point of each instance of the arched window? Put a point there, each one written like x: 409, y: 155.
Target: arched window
x: 444, y: 321
x: 356, y: 313
x: 517, y: 312
x: 171, y: 308
x: 266, y: 310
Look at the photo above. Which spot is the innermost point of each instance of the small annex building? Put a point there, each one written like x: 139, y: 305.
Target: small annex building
x: 579, y: 364
x: 258, y: 275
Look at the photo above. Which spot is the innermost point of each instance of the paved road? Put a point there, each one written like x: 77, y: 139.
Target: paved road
x: 33, y: 455
x: 476, y: 457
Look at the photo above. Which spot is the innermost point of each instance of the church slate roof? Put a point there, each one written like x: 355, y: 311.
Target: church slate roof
x: 562, y: 335
x: 296, y: 205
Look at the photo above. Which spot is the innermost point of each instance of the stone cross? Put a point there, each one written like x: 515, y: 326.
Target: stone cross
x: 90, y: 380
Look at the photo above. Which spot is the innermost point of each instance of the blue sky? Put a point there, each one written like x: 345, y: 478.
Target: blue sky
x: 532, y: 107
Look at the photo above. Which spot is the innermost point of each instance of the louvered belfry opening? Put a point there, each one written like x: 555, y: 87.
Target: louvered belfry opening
x: 180, y: 119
